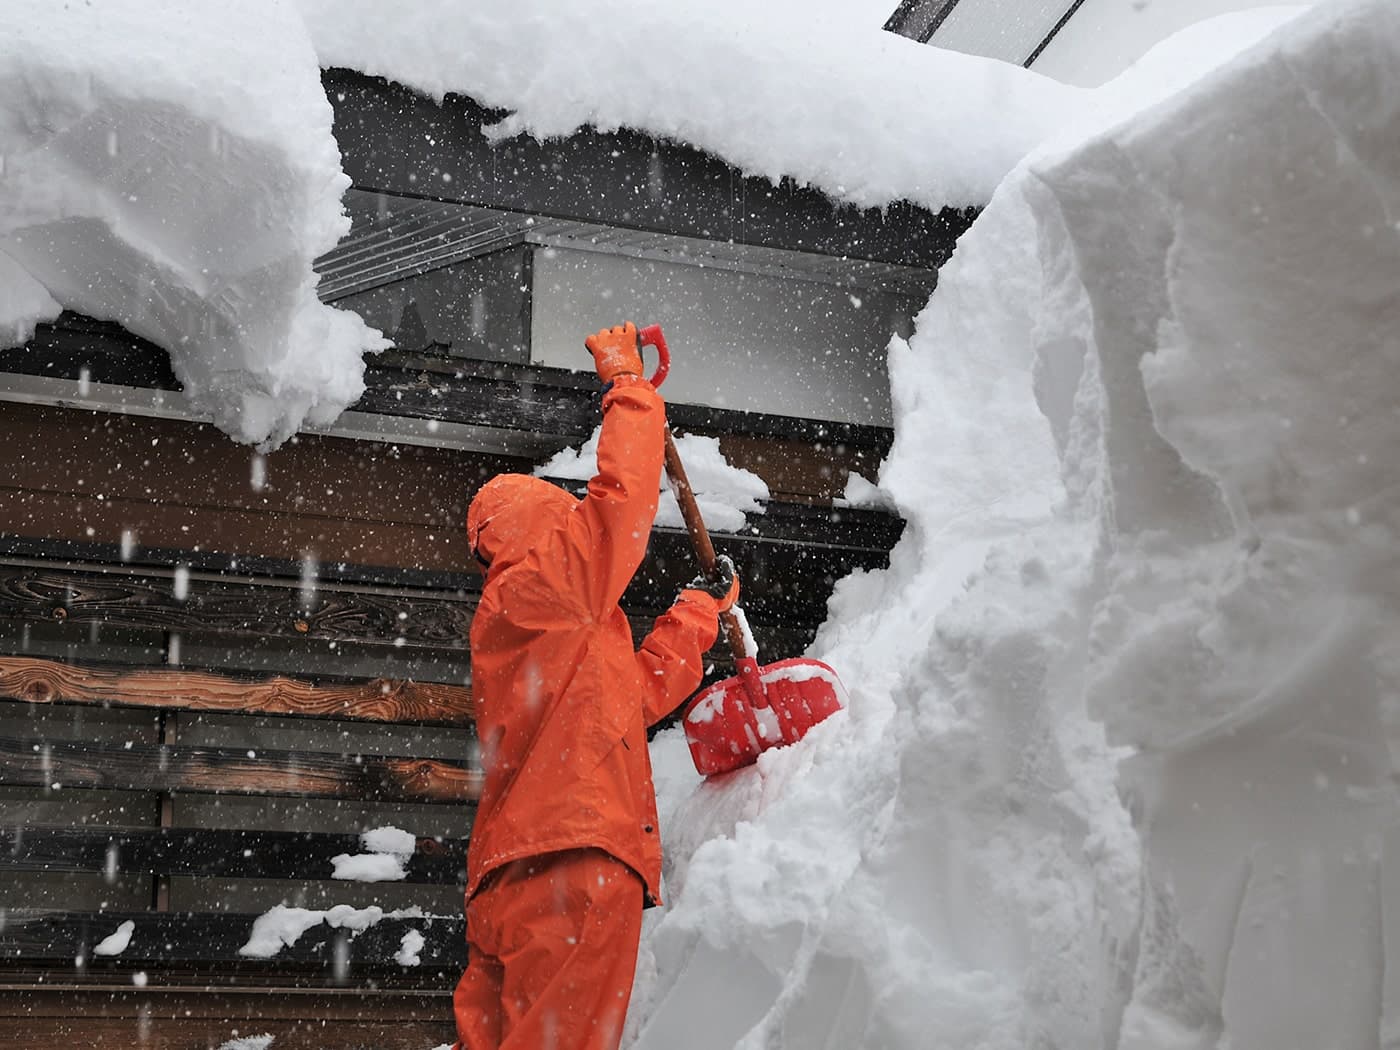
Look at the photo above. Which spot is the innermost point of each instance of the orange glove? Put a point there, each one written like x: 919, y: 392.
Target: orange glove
x: 616, y: 351
x: 722, y: 585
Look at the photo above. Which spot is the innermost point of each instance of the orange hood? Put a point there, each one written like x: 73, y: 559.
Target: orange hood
x: 511, y: 513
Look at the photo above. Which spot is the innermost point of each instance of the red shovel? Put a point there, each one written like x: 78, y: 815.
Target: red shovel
x: 731, y: 723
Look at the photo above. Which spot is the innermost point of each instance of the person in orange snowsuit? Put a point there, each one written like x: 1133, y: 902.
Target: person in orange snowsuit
x: 565, y: 850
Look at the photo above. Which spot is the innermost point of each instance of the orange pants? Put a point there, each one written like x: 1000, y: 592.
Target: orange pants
x: 551, y: 952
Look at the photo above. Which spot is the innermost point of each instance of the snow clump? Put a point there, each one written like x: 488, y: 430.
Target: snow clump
x: 282, y: 926
x: 171, y: 167
x: 389, y: 850
x: 726, y: 494
x: 117, y: 942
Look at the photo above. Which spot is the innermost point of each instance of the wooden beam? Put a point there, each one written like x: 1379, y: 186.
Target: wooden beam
x: 498, y: 394
x: 167, y: 730
x: 62, y: 996
x: 146, y: 1033
x: 50, y: 682
x: 64, y: 765
x: 213, y: 852
x: 33, y: 936
x: 38, y: 550
x: 126, y: 597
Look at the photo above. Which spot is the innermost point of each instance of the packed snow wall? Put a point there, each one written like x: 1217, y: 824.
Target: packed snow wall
x: 1119, y: 769
x: 1239, y: 255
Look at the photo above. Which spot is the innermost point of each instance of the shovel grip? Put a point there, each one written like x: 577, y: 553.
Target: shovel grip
x: 651, y: 336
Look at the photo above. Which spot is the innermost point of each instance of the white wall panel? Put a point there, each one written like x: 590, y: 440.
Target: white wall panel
x: 1007, y: 29
x: 742, y: 341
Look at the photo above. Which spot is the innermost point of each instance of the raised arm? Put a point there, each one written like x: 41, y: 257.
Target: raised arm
x: 613, y: 521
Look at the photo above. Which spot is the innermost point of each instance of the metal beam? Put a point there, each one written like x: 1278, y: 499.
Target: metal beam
x: 394, y: 140
x: 1054, y: 31
x: 443, y: 402
x: 920, y: 19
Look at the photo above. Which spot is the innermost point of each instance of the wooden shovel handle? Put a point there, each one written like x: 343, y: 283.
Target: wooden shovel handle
x: 700, y: 540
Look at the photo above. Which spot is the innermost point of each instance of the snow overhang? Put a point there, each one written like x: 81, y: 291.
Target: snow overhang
x: 394, y: 140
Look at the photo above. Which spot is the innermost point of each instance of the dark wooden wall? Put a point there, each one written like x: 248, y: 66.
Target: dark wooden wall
x: 92, y: 476
x: 175, y: 694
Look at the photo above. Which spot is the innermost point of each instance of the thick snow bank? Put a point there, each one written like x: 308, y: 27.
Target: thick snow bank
x: 777, y: 88
x: 1246, y: 331
x: 1144, y: 440
x: 171, y: 167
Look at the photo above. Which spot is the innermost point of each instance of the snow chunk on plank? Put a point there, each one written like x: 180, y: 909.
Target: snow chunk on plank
x: 389, y: 849
x: 171, y: 167
x: 282, y: 926
x: 116, y: 943
x: 410, y: 948
x: 368, y: 867
x: 724, y: 492
x: 389, y: 839
x: 277, y: 928
x: 248, y: 1042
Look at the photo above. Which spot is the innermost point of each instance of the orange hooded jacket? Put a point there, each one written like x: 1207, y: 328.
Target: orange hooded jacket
x: 562, y: 698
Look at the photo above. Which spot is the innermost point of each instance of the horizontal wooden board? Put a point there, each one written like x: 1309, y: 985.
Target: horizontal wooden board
x: 32, y: 935
x: 62, y: 515
x: 141, y: 767
x: 122, y: 597
x: 195, y: 465
x: 146, y: 1033
x: 238, y: 567
x: 48, y: 682
x: 211, y: 851
x: 62, y: 994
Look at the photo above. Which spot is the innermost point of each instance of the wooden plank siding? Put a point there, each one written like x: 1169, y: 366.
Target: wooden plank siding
x: 313, y: 606
x: 235, y: 854
x: 264, y: 607
x: 382, y: 700
x: 66, y: 765
x: 101, y: 1015
x: 171, y: 483
x: 802, y: 460
x: 152, y: 1031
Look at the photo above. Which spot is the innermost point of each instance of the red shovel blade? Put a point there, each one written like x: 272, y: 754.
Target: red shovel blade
x: 726, y: 731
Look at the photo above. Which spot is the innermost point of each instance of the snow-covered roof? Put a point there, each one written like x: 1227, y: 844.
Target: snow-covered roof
x: 171, y: 166
x: 862, y: 114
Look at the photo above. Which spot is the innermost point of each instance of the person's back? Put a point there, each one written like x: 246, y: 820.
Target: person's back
x: 565, y: 845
